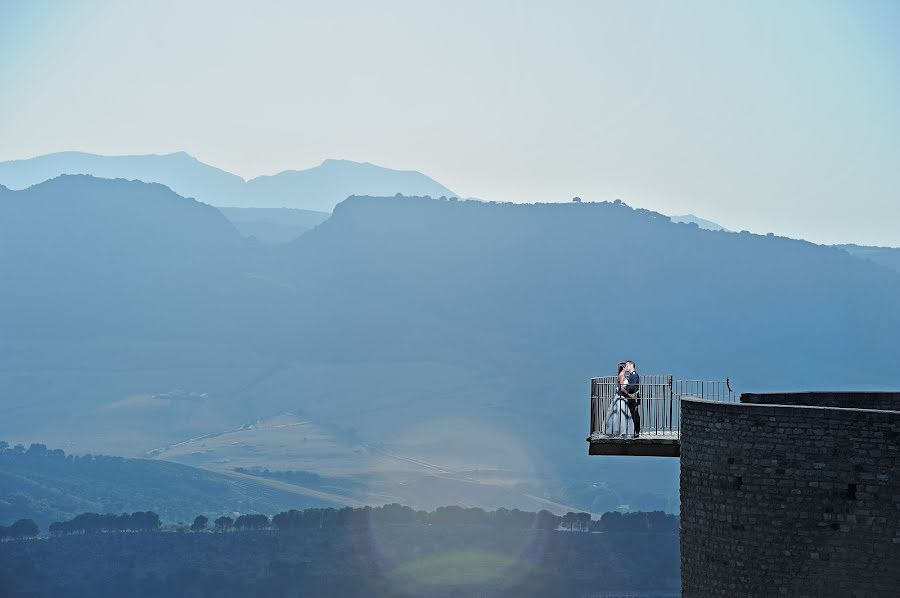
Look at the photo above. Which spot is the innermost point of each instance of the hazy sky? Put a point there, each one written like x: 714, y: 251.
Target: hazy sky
x: 767, y: 116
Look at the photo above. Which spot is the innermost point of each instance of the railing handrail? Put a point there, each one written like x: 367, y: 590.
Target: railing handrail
x: 656, y: 406
x: 642, y: 376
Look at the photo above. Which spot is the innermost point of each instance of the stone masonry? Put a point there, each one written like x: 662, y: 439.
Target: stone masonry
x: 789, y: 500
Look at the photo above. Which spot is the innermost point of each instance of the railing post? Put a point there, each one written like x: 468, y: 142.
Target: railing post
x: 593, y: 411
x: 671, y: 400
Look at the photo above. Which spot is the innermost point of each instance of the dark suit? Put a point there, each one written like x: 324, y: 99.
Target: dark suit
x: 634, y: 402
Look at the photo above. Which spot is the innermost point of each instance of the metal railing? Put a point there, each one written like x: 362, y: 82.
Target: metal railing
x: 654, y: 410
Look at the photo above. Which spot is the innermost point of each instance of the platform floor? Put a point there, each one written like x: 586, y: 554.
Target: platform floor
x: 647, y: 445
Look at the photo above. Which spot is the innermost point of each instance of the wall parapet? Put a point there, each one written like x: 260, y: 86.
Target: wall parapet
x: 881, y: 400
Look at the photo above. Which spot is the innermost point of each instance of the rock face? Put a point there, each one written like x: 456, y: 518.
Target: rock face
x: 800, y: 498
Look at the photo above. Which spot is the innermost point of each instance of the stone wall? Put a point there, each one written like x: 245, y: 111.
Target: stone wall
x: 789, y: 500
x: 844, y: 400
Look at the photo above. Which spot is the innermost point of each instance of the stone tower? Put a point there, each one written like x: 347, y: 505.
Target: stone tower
x: 791, y: 494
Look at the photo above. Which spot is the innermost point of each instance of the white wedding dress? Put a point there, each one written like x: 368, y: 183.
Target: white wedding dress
x: 618, y: 418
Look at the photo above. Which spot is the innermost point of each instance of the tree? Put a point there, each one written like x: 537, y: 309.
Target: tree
x: 546, y: 520
x: 23, y: 528
x: 37, y: 450
x: 583, y: 521
x: 145, y: 521
x: 252, y: 522
x: 288, y: 520
x: 223, y: 523
x: 199, y: 523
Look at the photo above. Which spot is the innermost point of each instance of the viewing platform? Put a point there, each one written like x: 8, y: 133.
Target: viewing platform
x: 657, y: 404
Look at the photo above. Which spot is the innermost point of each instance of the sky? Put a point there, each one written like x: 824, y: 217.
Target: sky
x: 765, y: 116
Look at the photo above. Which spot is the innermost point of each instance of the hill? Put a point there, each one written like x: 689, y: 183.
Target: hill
x: 889, y: 257
x: 534, y: 299
x: 885, y: 256
x: 48, y: 485
x: 442, y: 347
x: 88, y: 256
x: 319, y: 188
x: 602, y: 279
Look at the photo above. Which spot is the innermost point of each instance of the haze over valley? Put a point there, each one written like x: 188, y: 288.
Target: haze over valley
x: 448, y: 299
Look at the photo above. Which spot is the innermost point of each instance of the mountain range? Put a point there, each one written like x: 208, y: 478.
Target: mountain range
x: 438, y: 349
x: 319, y: 188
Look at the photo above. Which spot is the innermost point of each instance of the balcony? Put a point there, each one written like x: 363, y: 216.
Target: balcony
x: 658, y: 409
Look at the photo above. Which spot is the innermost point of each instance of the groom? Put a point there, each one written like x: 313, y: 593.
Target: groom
x: 633, y: 391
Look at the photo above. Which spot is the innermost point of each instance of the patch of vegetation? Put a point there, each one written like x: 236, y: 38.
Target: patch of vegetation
x: 308, y: 479
x: 48, y: 485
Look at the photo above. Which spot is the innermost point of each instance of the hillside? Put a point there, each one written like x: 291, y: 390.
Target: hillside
x: 127, y: 311
x: 441, y: 347
x: 48, y: 485
x: 888, y: 257
x: 534, y: 299
x: 87, y: 256
x: 318, y: 188
x: 479, y: 274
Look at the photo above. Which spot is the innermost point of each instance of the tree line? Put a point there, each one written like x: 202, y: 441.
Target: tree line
x: 392, y: 514
x: 37, y: 450
x: 139, y: 521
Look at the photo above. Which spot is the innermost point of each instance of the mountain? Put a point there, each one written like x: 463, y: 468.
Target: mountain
x: 87, y: 255
x: 118, y: 297
x: 437, y: 348
x: 704, y: 224
x: 323, y: 187
x: 533, y: 276
x: 318, y: 189
x: 535, y: 299
x: 179, y: 171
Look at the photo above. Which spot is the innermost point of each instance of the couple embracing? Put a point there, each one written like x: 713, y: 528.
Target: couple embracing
x: 623, y: 417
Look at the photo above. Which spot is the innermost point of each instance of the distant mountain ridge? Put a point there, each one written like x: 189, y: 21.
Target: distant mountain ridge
x: 701, y: 222
x: 885, y: 256
x: 319, y: 188
x: 888, y: 257
x: 451, y: 339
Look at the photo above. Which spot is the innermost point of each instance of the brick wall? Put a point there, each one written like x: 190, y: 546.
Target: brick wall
x: 789, y: 500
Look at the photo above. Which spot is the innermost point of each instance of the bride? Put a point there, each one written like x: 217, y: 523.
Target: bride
x: 618, y: 416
